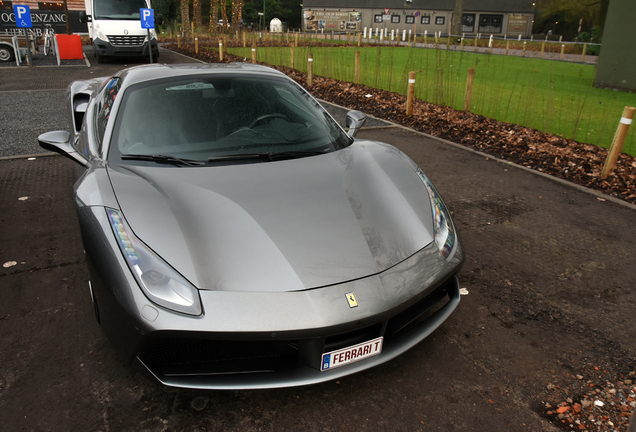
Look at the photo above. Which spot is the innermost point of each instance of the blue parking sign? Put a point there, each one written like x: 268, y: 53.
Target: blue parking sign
x: 147, y: 18
x: 22, y: 16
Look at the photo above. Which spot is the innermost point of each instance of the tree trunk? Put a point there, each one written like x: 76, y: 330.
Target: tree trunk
x: 196, y: 11
x: 68, y: 23
x: 214, y: 14
x: 185, y: 15
x: 458, y: 13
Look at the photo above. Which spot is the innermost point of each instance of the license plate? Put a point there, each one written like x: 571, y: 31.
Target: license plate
x: 351, y: 354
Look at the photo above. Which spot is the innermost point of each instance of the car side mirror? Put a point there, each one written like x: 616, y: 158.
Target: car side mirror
x: 84, y: 18
x: 355, y: 120
x: 60, y: 142
x: 159, y: 19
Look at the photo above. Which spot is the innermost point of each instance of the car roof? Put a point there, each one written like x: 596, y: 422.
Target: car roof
x: 151, y: 72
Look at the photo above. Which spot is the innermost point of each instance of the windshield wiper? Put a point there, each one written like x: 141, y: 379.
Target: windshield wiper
x: 163, y: 159
x: 269, y: 156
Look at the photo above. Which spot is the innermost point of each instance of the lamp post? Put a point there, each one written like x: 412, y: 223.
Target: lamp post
x: 260, y: 27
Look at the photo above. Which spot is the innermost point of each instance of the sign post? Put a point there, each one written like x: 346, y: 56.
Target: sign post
x: 148, y: 22
x: 23, y: 21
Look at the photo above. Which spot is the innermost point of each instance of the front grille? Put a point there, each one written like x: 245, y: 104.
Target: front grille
x: 213, y: 356
x: 419, y: 312
x: 126, y: 40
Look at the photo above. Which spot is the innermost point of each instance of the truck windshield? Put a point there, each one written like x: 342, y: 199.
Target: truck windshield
x: 118, y: 9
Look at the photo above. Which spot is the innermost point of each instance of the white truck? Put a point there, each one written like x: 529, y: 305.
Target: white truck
x: 114, y: 27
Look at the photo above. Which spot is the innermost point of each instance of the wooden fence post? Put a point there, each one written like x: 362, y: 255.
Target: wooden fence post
x: 583, y: 58
x: 293, y: 57
x: 310, y: 69
x: 562, y: 51
x: 221, y: 49
x: 357, y: 69
x: 411, y: 94
x: 507, y: 46
x: 244, y: 42
x: 461, y: 45
x: 476, y: 39
x: 254, y: 52
x: 359, y: 38
x: 542, y: 48
x: 196, y: 45
x: 617, y: 143
x: 469, y: 89
x: 178, y: 41
x: 524, y: 48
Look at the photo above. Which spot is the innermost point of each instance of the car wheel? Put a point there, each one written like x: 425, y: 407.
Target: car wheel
x: 6, y: 54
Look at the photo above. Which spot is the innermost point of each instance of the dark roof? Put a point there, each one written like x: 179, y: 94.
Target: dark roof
x: 524, y: 6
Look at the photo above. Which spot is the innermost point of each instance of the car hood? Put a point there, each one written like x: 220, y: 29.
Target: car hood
x: 284, y: 225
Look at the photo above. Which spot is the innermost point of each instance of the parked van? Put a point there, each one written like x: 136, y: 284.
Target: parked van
x: 115, y: 28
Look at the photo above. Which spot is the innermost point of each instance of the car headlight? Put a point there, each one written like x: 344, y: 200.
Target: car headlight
x: 99, y: 34
x: 159, y: 282
x: 442, y: 223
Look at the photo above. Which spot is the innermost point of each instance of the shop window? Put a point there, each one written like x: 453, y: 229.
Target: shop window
x: 410, y: 19
x: 377, y: 18
x: 490, y: 23
x: 440, y: 20
x: 395, y: 19
x: 425, y: 20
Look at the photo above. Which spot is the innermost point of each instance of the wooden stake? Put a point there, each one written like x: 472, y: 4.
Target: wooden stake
x: 584, y: 50
x: 244, y: 42
x: 476, y: 39
x: 310, y: 69
x: 196, y: 45
x: 293, y: 57
x: 357, y: 68
x: 562, y: 51
x: 507, y: 46
x: 411, y: 94
x: 524, y: 48
x: 221, y: 49
x: 254, y: 52
x: 178, y: 41
x: 359, y: 38
x: 461, y: 46
x: 542, y: 48
x: 469, y: 89
x: 617, y: 143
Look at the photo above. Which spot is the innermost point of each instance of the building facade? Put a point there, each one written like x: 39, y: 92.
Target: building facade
x: 496, y: 17
x: 51, y: 12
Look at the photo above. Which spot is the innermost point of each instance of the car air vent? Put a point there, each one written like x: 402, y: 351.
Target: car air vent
x: 126, y: 40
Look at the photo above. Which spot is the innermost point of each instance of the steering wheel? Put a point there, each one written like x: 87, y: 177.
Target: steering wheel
x: 267, y: 116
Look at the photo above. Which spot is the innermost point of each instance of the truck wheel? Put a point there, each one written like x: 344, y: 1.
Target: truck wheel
x: 6, y: 54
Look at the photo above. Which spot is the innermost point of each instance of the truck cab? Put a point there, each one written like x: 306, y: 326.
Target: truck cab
x: 115, y: 30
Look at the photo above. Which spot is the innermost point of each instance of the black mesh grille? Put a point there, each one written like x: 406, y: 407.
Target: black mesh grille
x: 211, y: 356
x: 126, y: 40
x: 418, y: 313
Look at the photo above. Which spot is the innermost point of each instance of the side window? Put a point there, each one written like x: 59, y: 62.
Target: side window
x: 104, y: 105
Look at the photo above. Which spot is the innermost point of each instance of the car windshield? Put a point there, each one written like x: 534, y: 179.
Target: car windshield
x: 118, y: 9
x: 221, y: 119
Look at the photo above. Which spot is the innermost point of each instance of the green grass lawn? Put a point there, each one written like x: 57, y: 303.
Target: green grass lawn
x: 551, y: 96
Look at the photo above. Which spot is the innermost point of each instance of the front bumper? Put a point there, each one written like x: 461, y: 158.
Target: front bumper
x: 248, y: 340
x: 107, y: 49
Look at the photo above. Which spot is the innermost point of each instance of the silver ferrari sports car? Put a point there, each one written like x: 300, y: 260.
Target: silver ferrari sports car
x: 237, y: 237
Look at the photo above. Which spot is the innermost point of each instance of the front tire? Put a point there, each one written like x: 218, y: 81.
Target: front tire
x: 6, y: 54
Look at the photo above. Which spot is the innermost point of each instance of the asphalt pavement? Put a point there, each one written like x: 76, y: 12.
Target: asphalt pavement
x: 549, y: 276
